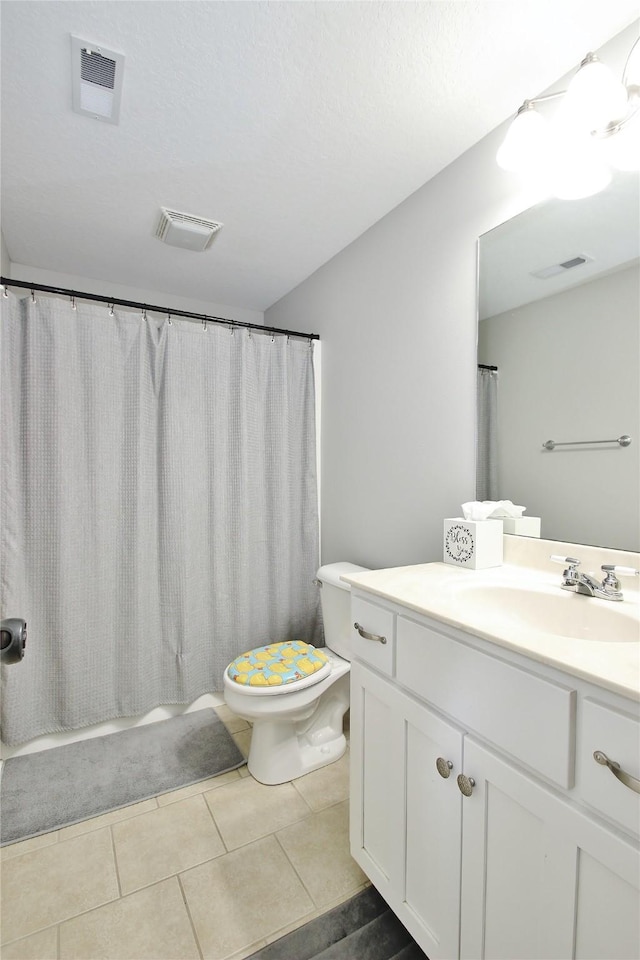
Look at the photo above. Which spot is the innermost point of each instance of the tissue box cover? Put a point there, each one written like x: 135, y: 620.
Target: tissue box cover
x: 475, y: 544
x: 522, y: 526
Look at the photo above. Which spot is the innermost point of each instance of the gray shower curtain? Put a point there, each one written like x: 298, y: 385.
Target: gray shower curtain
x: 487, y: 435
x: 159, y: 508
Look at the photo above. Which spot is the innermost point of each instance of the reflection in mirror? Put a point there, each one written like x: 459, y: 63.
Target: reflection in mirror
x: 559, y: 317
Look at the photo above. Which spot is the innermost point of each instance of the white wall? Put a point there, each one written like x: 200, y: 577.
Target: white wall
x: 568, y: 370
x: 52, y: 278
x: 396, y: 311
x: 5, y: 262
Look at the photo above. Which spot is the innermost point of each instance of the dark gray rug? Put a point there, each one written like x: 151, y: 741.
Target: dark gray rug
x: 362, y: 928
x: 55, y: 788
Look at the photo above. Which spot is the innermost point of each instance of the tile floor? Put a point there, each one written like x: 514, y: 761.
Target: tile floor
x: 211, y: 871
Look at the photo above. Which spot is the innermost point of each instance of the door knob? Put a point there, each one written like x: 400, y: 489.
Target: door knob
x: 13, y: 637
x: 465, y: 784
x: 444, y: 767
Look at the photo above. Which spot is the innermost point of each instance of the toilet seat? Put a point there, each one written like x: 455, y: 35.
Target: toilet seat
x: 278, y: 668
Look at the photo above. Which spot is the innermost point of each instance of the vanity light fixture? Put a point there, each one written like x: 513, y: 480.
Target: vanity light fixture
x: 596, y: 127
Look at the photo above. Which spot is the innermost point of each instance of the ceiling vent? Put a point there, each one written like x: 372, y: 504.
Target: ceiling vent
x: 185, y: 230
x: 557, y: 268
x: 96, y: 80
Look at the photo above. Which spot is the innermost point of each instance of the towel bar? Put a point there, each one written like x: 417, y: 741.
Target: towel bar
x: 624, y: 441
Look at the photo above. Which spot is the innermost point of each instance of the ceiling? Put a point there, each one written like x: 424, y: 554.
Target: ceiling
x: 296, y: 124
x: 604, y: 229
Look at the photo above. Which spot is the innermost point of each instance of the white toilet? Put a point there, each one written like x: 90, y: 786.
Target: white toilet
x: 297, y: 721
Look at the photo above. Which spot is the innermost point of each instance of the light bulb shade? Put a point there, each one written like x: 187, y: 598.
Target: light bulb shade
x: 632, y: 69
x: 527, y: 140
x: 594, y: 98
x: 579, y: 168
x: 622, y: 149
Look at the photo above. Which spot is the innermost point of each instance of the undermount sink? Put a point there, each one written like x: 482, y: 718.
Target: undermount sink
x: 547, y: 610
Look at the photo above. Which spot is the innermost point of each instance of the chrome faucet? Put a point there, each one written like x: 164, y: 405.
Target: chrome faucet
x: 586, y: 584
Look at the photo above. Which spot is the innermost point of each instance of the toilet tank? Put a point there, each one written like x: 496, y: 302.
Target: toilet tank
x: 336, y: 606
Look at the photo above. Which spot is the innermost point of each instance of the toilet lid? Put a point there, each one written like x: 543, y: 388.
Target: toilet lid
x: 275, y: 665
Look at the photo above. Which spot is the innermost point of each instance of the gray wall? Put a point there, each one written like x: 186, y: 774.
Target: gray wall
x: 396, y: 311
x: 5, y: 262
x: 51, y: 278
x: 568, y: 370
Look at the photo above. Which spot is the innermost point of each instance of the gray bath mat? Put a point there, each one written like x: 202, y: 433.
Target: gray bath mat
x: 54, y: 788
x: 362, y: 928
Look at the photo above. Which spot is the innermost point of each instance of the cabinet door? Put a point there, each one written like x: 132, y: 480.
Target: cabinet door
x: 377, y: 780
x: 406, y: 817
x: 431, y: 901
x: 541, y: 880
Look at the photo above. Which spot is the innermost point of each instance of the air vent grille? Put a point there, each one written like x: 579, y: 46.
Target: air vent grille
x: 186, y: 230
x: 94, y: 68
x: 96, y: 75
x: 575, y: 262
x: 562, y: 267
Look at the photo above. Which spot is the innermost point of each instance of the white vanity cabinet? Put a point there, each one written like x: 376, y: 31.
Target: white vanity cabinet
x: 541, y: 858
x: 405, y: 818
x: 541, y: 879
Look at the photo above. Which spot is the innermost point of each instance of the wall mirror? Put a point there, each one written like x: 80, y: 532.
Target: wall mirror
x: 559, y: 317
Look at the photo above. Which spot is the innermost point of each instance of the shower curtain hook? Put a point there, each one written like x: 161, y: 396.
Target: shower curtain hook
x: 111, y: 310
x: 204, y: 325
x: 33, y: 297
x: 144, y: 314
x: 5, y: 291
x: 170, y: 321
x: 73, y: 303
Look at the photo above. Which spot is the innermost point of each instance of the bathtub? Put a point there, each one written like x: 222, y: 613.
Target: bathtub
x: 50, y: 740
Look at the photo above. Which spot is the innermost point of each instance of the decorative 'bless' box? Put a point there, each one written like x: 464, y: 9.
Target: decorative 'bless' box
x: 473, y: 543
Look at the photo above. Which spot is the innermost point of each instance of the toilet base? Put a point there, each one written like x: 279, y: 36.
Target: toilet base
x: 282, y: 751
x: 282, y: 765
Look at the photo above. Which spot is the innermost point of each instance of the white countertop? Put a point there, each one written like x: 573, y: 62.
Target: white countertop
x: 437, y: 590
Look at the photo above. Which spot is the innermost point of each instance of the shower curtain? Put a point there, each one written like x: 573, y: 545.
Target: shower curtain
x: 487, y: 435
x: 159, y: 507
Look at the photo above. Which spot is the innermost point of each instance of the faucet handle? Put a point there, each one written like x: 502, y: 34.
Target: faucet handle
x: 570, y: 575
x: 611, y: 584
x: 567, y: 561
x: 620, y: 571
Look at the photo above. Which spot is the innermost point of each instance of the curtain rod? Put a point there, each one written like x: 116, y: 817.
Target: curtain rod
x: 7, y: 282
x: 486, y: 366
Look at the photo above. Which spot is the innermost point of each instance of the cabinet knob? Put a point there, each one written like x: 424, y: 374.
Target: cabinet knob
x: 465, y: 784
x: 444, y: 767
